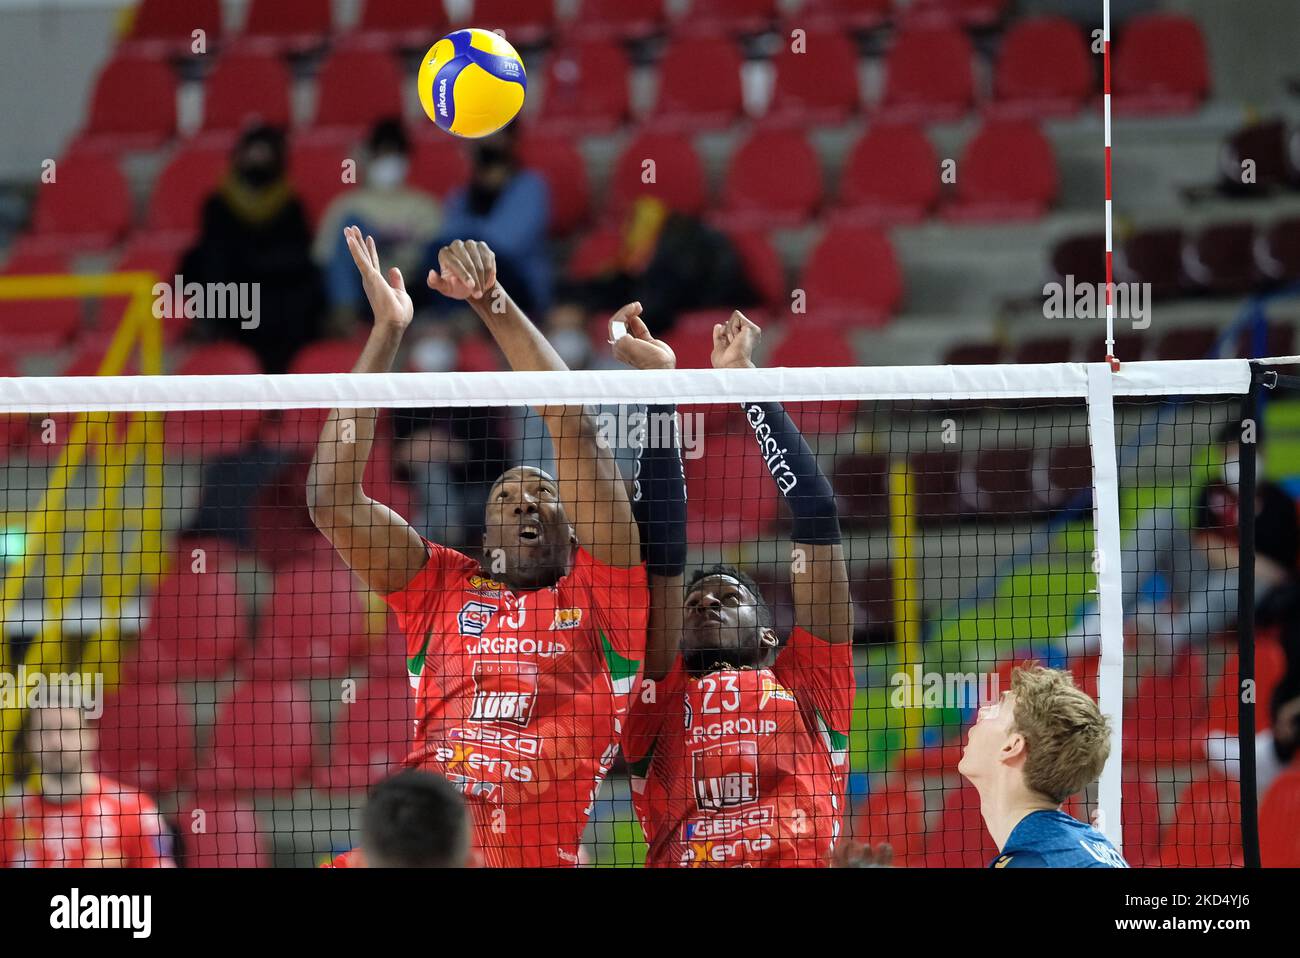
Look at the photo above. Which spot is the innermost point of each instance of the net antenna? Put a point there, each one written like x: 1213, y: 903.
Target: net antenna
x: 1111, y: 358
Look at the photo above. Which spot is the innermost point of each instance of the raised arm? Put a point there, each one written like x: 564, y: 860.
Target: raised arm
x: 590, y: 485
x: 658, y: 502
x: 376, y: 543
x: 819, y: 577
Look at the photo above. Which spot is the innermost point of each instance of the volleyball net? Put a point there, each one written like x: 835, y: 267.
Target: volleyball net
x: 165, y: 570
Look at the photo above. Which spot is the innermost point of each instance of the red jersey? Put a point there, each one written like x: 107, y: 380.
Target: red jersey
x: 521, y: 697
x: 745, y: 767
x: 111, y: 827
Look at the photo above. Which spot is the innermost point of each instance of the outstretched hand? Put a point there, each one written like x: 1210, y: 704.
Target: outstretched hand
x: 467, y: 269
x: 851, y: 854
x: 387, y: 294
x: 637, y: 348
x: 734, y: 342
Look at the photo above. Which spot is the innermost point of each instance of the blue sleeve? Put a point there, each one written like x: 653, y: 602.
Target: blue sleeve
x: 517, y: 223
x: 1023, y: 860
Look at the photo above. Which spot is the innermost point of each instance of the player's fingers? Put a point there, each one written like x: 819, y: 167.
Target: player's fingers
x: 352, y: 236
x: 636, y: 327
x: 884, y: 854
x: 374, y: 253
x: 453, y: 268
x: 435, y: 281
x: 719, y: 336
x: 475, y: 254
x: 490, y: 263
x: 395, y: 279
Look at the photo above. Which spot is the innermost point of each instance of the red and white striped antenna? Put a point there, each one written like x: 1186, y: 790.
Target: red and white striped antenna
x: 1110, y: 233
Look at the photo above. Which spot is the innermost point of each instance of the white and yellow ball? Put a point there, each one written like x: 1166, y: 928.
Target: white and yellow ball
x: 472, y: 82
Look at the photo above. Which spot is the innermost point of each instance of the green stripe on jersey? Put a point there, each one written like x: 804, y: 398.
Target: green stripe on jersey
x: 415, y: 664
x: 622, y: 671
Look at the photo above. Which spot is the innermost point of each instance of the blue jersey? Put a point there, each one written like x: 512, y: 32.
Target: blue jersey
x: 1053, y: 839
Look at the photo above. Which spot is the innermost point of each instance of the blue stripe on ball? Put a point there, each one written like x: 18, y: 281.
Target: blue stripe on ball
x: 506, y: 69
x: 444, y: 86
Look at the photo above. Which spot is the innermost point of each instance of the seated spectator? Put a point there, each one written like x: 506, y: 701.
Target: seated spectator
x: 403, y: 220
x: 75, y: 817
x: 254, y: 231
x: 671, y: 263
x: 508, y: 208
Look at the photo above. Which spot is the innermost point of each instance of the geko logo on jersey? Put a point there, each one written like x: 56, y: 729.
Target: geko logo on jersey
x: 496, y: 738
x: 474, y: 618
x: 461, y: 756
x: 724, y: 826
x: 725, y: 775
x: 504, y: 691
x: 567, y: 619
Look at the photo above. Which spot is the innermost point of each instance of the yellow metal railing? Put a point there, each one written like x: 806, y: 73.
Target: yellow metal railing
x: 66, y: 553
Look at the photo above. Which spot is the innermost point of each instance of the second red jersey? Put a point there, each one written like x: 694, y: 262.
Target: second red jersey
x: 744, y: 767
x: 521, y: 697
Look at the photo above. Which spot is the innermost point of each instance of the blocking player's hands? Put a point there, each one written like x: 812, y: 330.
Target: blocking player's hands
x: 633, y: 343
x: 467, y: 270
x: 734, y: 342
x: 387, y: 294
x: 851, y: 854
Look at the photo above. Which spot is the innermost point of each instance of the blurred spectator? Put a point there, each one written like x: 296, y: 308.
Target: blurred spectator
x: 76, y: 818
x: 402, y: 219
x: 671, y: 263
x: 508, y: 208
x: 254, y: 230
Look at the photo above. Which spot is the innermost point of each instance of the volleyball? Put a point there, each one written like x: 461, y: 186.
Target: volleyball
x: 472, y: 82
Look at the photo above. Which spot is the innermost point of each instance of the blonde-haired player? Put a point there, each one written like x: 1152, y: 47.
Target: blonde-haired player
x: 1041, y: 743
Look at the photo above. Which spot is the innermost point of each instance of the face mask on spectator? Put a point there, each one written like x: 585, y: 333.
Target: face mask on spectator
x: 389, y: 172
x: 573, y: 346
x: 434, y: 355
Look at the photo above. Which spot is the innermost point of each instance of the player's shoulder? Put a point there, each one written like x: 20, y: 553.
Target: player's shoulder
x: 1059, y: 840
x: 1020, y: 858
x: 127, y: 798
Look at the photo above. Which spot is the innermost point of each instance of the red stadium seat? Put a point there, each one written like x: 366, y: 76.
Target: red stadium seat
x: 1206, y: 830
x: 961, y: 840
x: 1278, y: 252
x: 315, y: 166
x: 875, y: 616
x: 678, y: 177
x: 370, y: 737
x: 87, y: 207
x: 287, y: 26
x: 1044, y: 69
x: 699, y: 86
x: 314, y: 625
x: 691, y: 337
x: 1082, y: 257
x: 231, y: 835
x: 1279, y: 822
x: 1141, y: 821
x: 936, y: 486
x: 596, y: 253
x: 817, y: 85
x: 973, y: 354
x: 438, y: 164
x: 853, y: 15
x: 246, y: 88
x: 28, y: 326
x: 1270, y: 666
x: 774, y: 180
x: 1008, y: 172
x: 955, y: 13
x: 1264, y: 144
x: 852, y: 276
x: 1160, y: 65
x: 929, y: 76
x: 617, y: 19
x: 185, y: 183
x: 354, y: 106
x: 895, y: 815
x: 1187, y: 343
x: 1279, y: 340
x: 146, y: 737
x: 1220, y: 259
x: 1066, y: 478
x: 524, y: 22
x: 730, y: 17
x: 133, y: 106
x: 889, y: 178
x: 809, y: 344
x: 210, y: 433
x: 400, y: 24
x: 561, y: 165
x: 1004, y: 485
x: 733, y: 497
x: 586, y: 89
x: 1161, y: 719
x: 763, y: 266
x: 1153, y: 256
x: 163, y: 28
x: 862, y: 486
x: 261, y: 740
x: 478, y: 354
x: 195, y: 627
x: 1043, y: 349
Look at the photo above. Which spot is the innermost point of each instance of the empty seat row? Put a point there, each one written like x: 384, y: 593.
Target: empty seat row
x: 1194, y: 342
